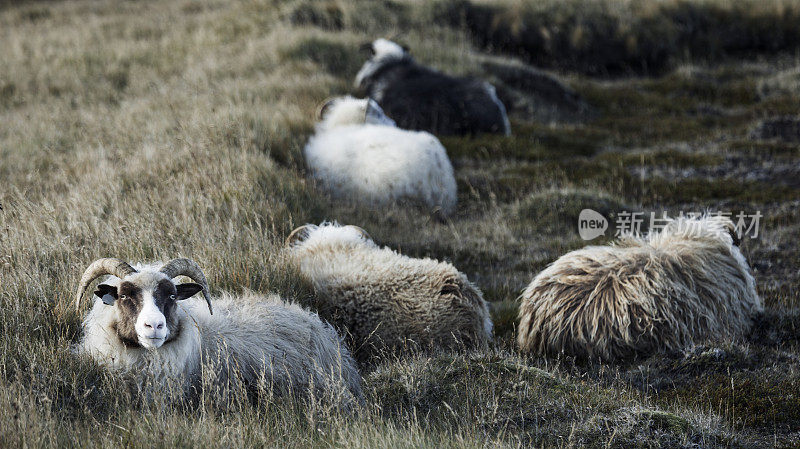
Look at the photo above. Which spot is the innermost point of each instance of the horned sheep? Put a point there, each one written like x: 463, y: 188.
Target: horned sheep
x: 418, y: 97
x: 358, y: 153
x: 665, y: 291
x: 142, y: 321
x: 387, y: 302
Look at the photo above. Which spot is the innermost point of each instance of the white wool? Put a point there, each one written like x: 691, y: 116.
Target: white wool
x: 146, y: 275
x: 347, y: 110
x: 386, y: 299
x: 252, y: 334
x: 378, y: 163
x: 676, y: 287
x: 330, y: 236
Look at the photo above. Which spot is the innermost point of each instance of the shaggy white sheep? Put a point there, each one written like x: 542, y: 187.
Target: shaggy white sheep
x: 143, y: 321
x: 358, y: 153
x: 388, y: 302
x: 687, y: 283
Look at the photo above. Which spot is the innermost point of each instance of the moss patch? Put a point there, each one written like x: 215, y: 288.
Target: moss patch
x: 528, y: 142
x: 504, y: 316
x: 612, y: 38
x: 323, y: 14
x: 337, y: 58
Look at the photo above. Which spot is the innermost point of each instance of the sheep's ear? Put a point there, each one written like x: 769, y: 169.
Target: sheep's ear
x: 361, y: 231
x: 187, y: 290
x: 734, y: 235
x: 369, y: 108
x: 372, y: 105
x: 729, y: 227
x: 108, y: 293
x: 450, y: 288
x: 298, y: 235
x: 367, y: 49
x: 324, y: 108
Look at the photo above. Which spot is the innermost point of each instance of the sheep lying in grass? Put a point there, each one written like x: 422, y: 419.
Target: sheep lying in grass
x: 143, y: 321
x: 418, y: 97
x: 688, y: 282
x: 358, y: 153
x: 388, y: 302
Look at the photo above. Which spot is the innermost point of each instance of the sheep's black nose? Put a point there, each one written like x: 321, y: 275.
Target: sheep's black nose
x: 155, y: 325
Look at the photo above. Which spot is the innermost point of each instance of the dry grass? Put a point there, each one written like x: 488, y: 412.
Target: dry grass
x: 149, y: 130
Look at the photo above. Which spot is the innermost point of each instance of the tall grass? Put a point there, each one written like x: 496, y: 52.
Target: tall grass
x: 151, y: 130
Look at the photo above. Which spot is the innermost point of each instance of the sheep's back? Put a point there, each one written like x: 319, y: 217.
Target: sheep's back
x: 618, y: 302
x: 380, y: 164
x: 420, y: 98
x: 387, y: 301
x: 261, y: 338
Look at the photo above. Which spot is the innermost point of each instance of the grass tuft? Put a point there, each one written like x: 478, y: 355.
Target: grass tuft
x: 336, y: 58
x: 325, y: 14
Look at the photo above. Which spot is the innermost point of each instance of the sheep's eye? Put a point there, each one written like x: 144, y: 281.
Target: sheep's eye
x: 172, y: 297
x: 123, y: 296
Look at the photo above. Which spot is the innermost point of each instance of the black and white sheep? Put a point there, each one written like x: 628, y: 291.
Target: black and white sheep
x: 358, y: 153
x: 684, y: 284
x: 143, y: 321
x: 418, y: 97
x: 388, y: 303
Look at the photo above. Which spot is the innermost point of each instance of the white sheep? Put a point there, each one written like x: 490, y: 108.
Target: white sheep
x: 387, y: 302
x: 684, y: 284
x: 358, y: 153
x: 143, y: 321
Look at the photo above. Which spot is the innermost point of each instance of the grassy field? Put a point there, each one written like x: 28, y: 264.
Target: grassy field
x: 146, y: 130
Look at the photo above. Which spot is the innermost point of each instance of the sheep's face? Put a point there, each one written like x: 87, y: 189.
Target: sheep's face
x: 145, y: 306
x: 382, y: 51
x: 345, y: 111
x: 384, y: 48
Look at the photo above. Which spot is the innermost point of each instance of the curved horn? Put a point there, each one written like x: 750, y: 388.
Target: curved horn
x: 366, y: 108
x: 100, y: 267
x: 366, y: 48
x: 189, y: 268
x: 734, y: 233
x: 361, y: 231
x: 298, y: 234
x: 324, y: 107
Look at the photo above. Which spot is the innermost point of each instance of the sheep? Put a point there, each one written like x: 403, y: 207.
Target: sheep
x: 420, y: 98
x: 359, y: 153
x: 143, y: 322
x: 387, y: 302
x: 673, y: 288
